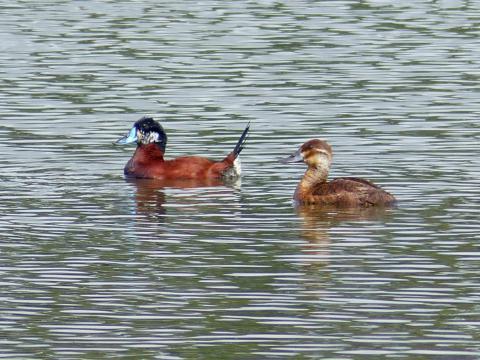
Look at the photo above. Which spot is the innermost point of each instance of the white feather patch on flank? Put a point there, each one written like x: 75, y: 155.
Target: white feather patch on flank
x: 237, y: 166
x: 234, y: 171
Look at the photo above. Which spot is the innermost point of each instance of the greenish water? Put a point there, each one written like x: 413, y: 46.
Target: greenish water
x: 93, y: 266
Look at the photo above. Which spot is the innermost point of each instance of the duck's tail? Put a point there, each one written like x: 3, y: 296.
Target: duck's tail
x: 229, y: 167
x: 241, y: 142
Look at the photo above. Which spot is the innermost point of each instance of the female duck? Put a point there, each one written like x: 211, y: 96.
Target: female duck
x: 314, y: 188
x: 148, y: 160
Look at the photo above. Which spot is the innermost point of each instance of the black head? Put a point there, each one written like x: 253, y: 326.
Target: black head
x: 146, y: 131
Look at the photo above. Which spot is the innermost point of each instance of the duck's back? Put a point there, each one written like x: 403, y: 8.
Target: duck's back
x: 351, y: 192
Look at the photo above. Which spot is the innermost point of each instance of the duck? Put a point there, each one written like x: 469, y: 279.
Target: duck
x: 148, y: 160
x: 315, y: 189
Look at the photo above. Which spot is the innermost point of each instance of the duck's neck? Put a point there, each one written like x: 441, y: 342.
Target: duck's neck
x: 149, y: 152
x: 312, y: 177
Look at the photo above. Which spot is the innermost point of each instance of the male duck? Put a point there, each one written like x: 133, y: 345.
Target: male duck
x: 148, y: 160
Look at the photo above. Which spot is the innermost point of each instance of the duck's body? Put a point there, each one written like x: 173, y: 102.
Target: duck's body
x: 344, y: 192
x: 148, y: 160
x: 315, y: 189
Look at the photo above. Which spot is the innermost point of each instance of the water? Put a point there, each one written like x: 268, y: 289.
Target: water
x: 93, y: 266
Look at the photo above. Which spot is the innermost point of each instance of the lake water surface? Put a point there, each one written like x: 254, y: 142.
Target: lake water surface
x: 93, y: 266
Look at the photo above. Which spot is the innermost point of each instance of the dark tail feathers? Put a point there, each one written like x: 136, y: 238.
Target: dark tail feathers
x: 241, y: 142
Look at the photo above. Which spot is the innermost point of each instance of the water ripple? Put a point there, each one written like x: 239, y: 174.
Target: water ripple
x: 93, y: 265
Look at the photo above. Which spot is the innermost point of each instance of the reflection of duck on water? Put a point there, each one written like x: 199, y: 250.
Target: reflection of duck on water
x: 314, y: 187
x: 316, y: 223
x: 150, y: 195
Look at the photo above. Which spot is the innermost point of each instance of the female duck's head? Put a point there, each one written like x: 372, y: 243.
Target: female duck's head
x: 315, y: 153
x: 146, y: 131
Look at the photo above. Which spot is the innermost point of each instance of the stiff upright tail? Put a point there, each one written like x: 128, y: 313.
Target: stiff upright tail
x: 241, y: 142
x: 229, y: 168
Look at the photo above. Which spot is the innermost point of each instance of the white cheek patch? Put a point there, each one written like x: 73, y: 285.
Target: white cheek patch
x: 148, y: 138
x: 322, y: 158
x: 152, y: 137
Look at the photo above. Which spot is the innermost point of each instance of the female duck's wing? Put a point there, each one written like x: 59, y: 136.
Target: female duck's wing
x: 354, y: 192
